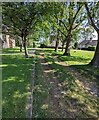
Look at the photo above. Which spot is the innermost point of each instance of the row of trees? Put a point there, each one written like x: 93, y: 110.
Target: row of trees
x: 64, y: 20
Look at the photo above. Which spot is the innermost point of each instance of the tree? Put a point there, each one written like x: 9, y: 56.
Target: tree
x: 54, y: 16
x: 86, y: 31
x: 59, y: 14
x: 76, y: 45
x: 21, y: 18
x: 71, y: 21
x: 93, y: 14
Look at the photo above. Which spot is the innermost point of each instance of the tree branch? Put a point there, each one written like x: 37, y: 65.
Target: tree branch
x: 62, y: 33
x: 64, y: 24
x: 75, y: 17
x: 76, y: 13
x: 89, y: 15
x: 14, y: 24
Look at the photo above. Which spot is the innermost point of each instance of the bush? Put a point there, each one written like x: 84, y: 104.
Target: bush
x: 34, y: 45
x: 75, y: 45
x: 91, y: 48
x: 43, y: 46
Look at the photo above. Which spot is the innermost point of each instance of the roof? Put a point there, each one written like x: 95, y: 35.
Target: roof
x: 93, y: 42
x: 84, y: 42
x: 88, y: 42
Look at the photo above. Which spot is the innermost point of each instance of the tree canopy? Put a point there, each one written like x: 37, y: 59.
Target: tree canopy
x: 68, y: 21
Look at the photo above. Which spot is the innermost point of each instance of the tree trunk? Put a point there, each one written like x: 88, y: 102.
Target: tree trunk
x: 56, y: 47
x: 20, y: 48
x: 57, y: 41
x: 95, y: 61
x: 67, y: 48
x: 25, y: 49
x: 62, y: 46
x: 58, y: 37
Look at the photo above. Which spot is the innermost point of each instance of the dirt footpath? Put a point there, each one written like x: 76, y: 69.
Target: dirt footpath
x: 58, y: 105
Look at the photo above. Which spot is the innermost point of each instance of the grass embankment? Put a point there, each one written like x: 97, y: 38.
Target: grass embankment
x: 73, y: 90
x: 16, y: 77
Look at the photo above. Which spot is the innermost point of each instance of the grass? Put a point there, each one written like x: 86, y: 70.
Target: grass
x: 11, y: 50
x: 79, y: 60
x: 16, y: 76
x: 40, y: 92
x: 16, y: 81
x: 78, y: 57
x: 71, y: 85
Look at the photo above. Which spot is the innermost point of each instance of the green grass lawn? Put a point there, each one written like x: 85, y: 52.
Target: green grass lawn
x: 16, y: 77
x: 79, y: 59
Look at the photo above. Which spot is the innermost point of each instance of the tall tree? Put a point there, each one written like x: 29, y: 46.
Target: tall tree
x: 93, y: 14
x: 72, y: 20
x: 22, y: 17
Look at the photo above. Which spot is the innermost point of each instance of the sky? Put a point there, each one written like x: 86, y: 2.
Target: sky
x: 95, y: 33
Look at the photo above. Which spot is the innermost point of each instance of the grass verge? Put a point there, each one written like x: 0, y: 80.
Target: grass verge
x: 16, y: 76
x: 40, y: 92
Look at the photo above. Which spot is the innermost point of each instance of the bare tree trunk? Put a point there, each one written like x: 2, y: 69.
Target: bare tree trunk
x: 67, y: 48
x: 63, y: 46
x: 95, y: 61
x: 57, y: 43
x: 20, y: 48
x: 58, y: 37
x: 25, y: 49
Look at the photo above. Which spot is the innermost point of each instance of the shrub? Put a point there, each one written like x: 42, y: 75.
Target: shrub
x: 75, y: 45
x: 91, y: 48
x: 43, y: 46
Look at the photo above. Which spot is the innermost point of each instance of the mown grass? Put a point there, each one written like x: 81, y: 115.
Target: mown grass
x: 77, y: 57
x: 71, y: 85
x: 79, y: 60
x: 16, y: 77
x: 40, y: 92
x: 11, y: 50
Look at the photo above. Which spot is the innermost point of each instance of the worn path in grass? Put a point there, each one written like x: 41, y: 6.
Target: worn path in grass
x: 57, y: 106
x: 90, y: 86
x: 60, y: 106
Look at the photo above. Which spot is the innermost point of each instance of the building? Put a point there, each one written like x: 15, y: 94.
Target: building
x: 87, y: 43
x: 6, y: 40
x: 53, y: 39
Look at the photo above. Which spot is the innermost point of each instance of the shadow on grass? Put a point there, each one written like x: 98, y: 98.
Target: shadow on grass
x: 65, y: 58
x: 88, y: 69
x: 16, y: 76
x: 10, y: 50
x: 73, y: 58
x: 40, y: 92
x: 85, y: 68
x: 72, y: 92
x: 68, y: 82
